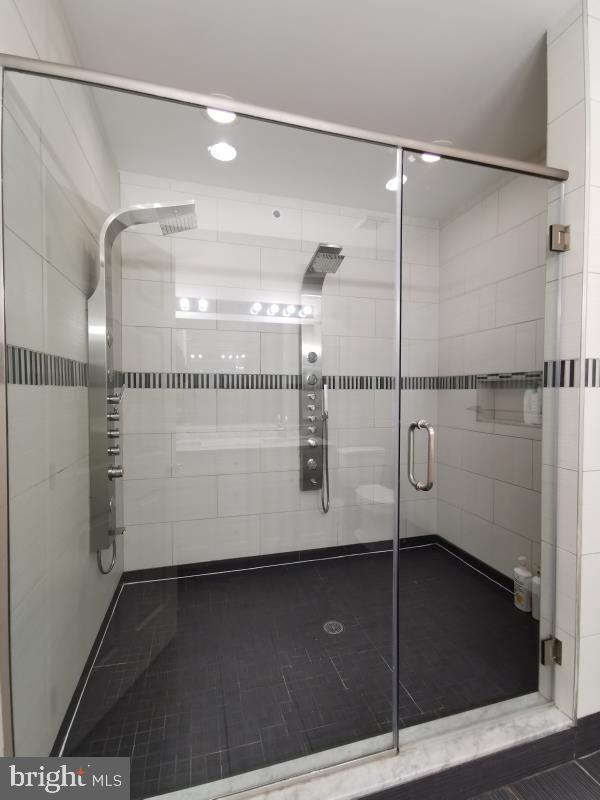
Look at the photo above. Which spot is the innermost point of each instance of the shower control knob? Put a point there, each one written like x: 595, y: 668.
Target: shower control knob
x: 311, y: 442
x: 109, y: 338
x: 114, y: 451
x: 112, y: 416
x: 114, y: 434
x: 312, y: 429
x: 311, y: 463
x: 115, y: 472
x: 311, y: 379
x: 310, y: 396
x: 310, y: 407
x: 311, y: 418
x: 311, y: 357
x: 113, y: 399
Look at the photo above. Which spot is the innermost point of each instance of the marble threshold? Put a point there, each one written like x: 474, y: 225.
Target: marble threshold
x: 370, y: 766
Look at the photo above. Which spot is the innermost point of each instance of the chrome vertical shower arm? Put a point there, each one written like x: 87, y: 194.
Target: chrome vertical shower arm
x: 105, y: 385
x: 313, y: 420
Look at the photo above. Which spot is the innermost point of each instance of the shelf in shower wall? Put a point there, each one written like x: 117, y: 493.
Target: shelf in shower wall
x: 501, y: 398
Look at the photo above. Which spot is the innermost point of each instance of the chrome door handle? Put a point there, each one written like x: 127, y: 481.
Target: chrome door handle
x: 421, y: 486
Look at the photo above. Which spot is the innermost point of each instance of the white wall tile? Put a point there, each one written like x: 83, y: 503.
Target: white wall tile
x: 148, y: 303
x: 591, y: 421
x: 254, y: 224
x: 566, y: 144
x: 594, y: 60
x: 559, y: 507
x: 594, y: 168
x: 65, y: 316
x: 216, y: 351
x: 348, y: 316
x: 279, y: 353
x: 146, y: 258
x: 148, y: 546
x: 590, y: 596
x: 517, y: 509
x: 216, y: 453
x: 215, y: 263
x: 147, y: 455
x: 146, y: 349
x: 360, y: 356
x: 345, y: 231
x: 565, y: 70
x: 305, y: 530
x: 521, y: 298
x: 590, y: 513
x: 170, y: 499
x: 588, y: 696
x: 148, y: 411
x: 214, y: 539
x: 361, y: 277
x: 23, y: 273
x: 195, y: 410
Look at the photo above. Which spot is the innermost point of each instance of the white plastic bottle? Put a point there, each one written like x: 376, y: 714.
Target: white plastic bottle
x: 522, y: 577
x: 532, y: 407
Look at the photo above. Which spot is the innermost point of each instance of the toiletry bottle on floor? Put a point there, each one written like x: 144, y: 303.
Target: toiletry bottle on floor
x: 522, y: 577
x: 535, y: 594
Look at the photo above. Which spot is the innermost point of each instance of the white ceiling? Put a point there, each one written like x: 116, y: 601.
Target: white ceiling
x: 471, y: 71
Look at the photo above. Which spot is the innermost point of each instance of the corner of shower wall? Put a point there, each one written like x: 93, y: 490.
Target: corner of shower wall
x: 491, y: 323
x: 59, y: 183
x: 565, y: 352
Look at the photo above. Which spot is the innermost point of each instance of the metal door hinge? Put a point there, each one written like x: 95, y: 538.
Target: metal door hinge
x: 551, y: 651
x: 560, y: 238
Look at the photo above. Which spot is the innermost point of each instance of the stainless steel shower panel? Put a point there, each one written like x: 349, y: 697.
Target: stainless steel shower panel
x: 105, y: 385
x: 326, y: 260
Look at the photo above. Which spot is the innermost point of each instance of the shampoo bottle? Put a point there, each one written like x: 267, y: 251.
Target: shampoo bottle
x: 522, y: 577
x: 535, y: 594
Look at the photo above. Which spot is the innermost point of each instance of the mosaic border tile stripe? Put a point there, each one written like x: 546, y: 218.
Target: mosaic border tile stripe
x: 562, y: 374
x: 205, y: 380
x: 592, y: 373
x: 31, y: 368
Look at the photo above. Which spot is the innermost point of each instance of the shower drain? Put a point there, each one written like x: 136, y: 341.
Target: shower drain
x: 333, y: 627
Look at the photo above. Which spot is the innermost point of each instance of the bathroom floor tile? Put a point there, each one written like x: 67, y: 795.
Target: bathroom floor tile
x: 206, y: 677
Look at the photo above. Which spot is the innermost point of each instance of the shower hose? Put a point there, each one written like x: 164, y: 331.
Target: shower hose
x: 112, y: 561
x: 325, y: 453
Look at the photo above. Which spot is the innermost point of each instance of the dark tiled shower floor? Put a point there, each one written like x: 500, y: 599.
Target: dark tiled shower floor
x: 202, y: 678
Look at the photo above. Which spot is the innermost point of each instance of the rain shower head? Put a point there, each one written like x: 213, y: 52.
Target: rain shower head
x: 326, y: 259
x: 179, y: 219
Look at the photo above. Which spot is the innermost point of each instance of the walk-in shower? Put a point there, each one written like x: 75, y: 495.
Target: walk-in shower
x: 243, y: 636
x: 314, y: 412
x: 105, y: 380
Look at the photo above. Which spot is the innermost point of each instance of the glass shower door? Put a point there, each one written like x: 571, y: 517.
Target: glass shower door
x: 244, y: 630
x: 475, y: 347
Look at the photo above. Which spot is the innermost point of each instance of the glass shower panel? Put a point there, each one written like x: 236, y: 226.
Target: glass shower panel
x: 477, y: 342
x: 248, y: 356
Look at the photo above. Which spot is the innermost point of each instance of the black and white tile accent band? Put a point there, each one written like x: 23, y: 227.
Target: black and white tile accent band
x: 29, y: 367
x: 563, y: 374
x: 205, y: 380
x: 592, y: 373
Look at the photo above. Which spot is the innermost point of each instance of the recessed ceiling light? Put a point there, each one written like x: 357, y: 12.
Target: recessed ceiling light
x: 392, y: 184
x: 222, y: 117
x: 222, y: 151
x: 429, y: 158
